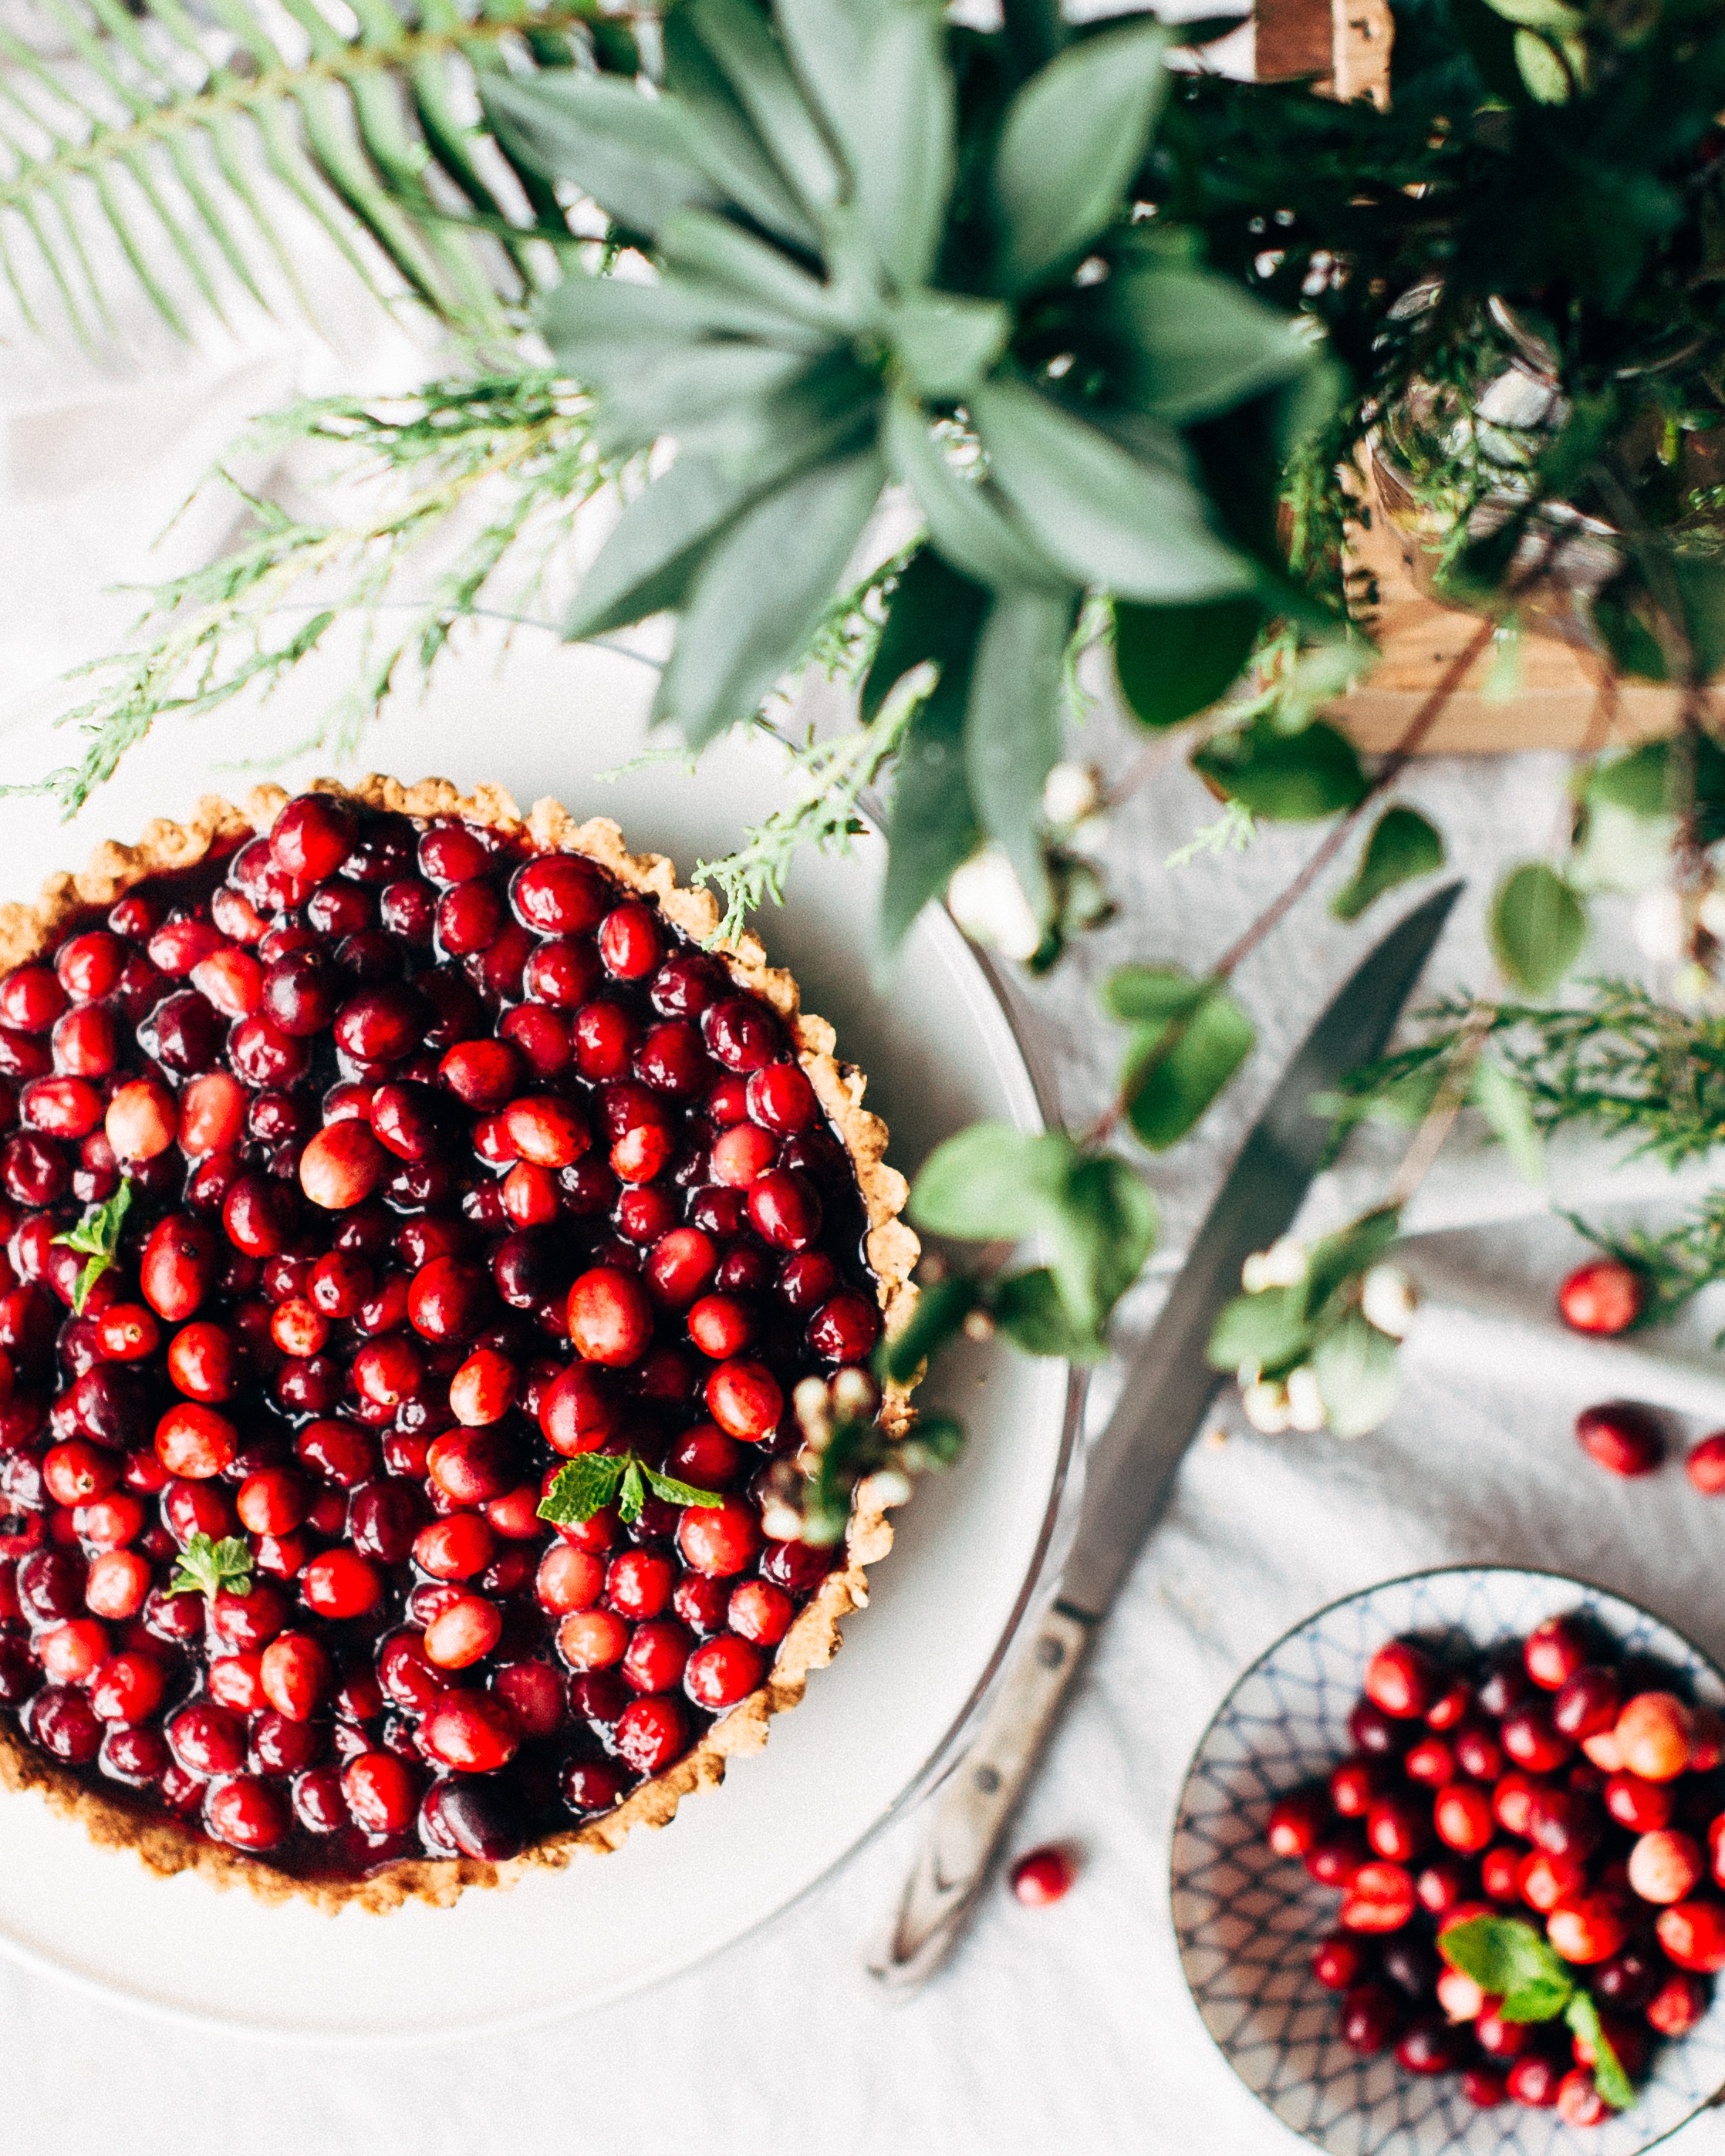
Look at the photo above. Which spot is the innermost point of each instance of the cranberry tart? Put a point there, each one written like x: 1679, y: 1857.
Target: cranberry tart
x: 377, y: 1168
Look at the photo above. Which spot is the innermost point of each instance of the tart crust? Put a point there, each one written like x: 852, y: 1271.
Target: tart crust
x: 163, y: 1844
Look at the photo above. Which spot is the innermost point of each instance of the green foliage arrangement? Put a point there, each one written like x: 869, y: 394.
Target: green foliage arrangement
x: 1127, y: 345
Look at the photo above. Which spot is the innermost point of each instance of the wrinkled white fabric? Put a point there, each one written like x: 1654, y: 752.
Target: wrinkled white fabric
x: 1068, y: 2029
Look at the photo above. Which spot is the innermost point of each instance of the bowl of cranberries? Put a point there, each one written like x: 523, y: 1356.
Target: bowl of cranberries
x: 1449, y: 1871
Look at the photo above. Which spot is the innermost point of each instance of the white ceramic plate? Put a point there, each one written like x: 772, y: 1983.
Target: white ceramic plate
x: 1247, y: 1921
x: 971, y: 1549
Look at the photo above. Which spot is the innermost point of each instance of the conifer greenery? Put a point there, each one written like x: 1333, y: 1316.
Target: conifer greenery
x: 1117, y: 332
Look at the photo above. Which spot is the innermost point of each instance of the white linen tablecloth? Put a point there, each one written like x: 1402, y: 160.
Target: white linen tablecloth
x: 1069, y: 2027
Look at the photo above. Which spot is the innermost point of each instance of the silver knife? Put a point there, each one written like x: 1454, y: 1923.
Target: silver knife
x: 1131, y: 1467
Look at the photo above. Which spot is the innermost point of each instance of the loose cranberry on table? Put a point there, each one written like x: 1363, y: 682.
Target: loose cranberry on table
x: 447, y: 1162
x: 1604, y: 1296
x: 1622, y: 1435
x: 1044, y: 1875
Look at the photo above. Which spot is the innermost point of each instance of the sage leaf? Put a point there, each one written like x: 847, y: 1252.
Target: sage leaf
x: 1176, y: 1064
x: 1537, y: 927
x: 945, y: 341
x: 760, y: 594
x: 1194, y: 344
x: 1073, y: 137
x: 1503, y: 1100
x: 1172, y: 662
x: 1013, y: 727
x: 733, y: 154
x: 1402, y: 846
x: 1286, y: 778
x: 968, y: 521
x: 899, y: 142
x: 741, y: 44
x: 932, y: 826
x: 990, y: 1183
x: 641, y: 159
x: 1357, y: 1369
x: 1136, y: 527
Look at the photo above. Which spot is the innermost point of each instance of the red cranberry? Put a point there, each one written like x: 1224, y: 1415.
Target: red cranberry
x: 1692, y: 1934
x: 1296, y: 1821
x: 610, y: 1316
x: 1402, y: 1679
x: 1591, y: 1927
x: 1665, y: 1866
x: 1679, y: 2004
x: 1640, y: 1806
x: 1462, y: 1816
x: 449, y: 1298
x: 742, y: 1033
x: 1627, y: 1439
x: 1039, y: 1879
x: 473, y: 1731
x: 1532, y: 1741
x: 246, y: 1812
x: 1554, y: 1651
x: 560, y: 895
x: 1340, y: 1963
x: 1589, y: 1703
x: 1565, y: 1822
x: 1380, y: 1897
x: 1356, y: 1784
x: 723, y: 1672
x: 1372, y: 1730
x: 846, y: 1329
x: 341, y: 1584
x: 1534, y: 2081
x: 469, y: 917
x: 313, y: 836
x: 1605, y: 1296
x: 651, y: 1733
x: 1440, y: 1885
x: 1371, y: 2015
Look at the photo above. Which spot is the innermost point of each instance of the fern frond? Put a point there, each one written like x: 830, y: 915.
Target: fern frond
x: 174, y: 144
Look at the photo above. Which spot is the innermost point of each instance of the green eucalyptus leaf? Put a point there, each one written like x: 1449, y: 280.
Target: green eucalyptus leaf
x: 1073, y: 137
x: 946, y: 342
x: 1403, y: 845
x: 742, y: 45
x: 733, y: 149
x: 761, y: 591
x: 899, y: 139
x: 1013, y: 725
x: 1286, y: 778
x: 937, y: 615
x: 1138, y: 527
x: 1537, y: 927
x: 938, y: 1314
x: 992, y: 1184
x: 1357, y: 1369
x: 1638, y: 781
x: 1176, y: 1067
x: 1194, y: 344
x: 968, y: 521
x: 1503, y: 1100
x: 1635, y: 650
x: 1099, y: 1236
x: 1268, y: 1330
x: 1030, y: 1310
x: 641, y: 159
x: 1152, y: 995
x: 1174, y: 661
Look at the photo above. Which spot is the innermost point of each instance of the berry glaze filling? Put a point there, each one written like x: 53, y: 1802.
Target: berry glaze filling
x: 404, y: 1163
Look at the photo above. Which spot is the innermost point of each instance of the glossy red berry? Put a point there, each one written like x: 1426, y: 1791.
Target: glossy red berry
x: 1621, y: 1435
x: 1402, y: 1680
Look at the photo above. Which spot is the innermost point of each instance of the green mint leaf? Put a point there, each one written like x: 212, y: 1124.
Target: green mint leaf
x: 1537, y: 927
x: 633, y: 1495
x: 1609, y: 2079
x: 1509, y: 1959
x: 673, y: 1493
x: 97, y: 1234
x: 586, y: 1486
x: 207, y: 1568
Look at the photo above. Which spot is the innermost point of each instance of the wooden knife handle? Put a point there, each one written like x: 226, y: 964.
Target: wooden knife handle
x: 970, y: 1813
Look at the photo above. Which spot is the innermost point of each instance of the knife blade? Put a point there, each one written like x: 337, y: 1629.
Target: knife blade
x: 1131, y: 1465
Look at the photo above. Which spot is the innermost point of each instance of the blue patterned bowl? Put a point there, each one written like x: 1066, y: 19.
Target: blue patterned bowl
x: 1248, y: 1921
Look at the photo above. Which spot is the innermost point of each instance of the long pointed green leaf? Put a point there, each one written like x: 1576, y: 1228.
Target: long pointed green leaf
x: 900, y: 145
x: 646, y: 564
x: 721, y: 253
x: 1012, y: 726
x: 735, y: 157
x: 1074, y: 136
x: 759, y: 597
x: 967, y: 521
x: 687, y: 385
x: 742, y: 44
x: 1116, y: 519
x: 637, y: 158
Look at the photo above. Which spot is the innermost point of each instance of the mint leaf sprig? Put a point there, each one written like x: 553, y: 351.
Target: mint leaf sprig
x: 207, y: 1566
x: 592, y: 1480
x: 97, y: 1234
x: 1510, y: 1960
